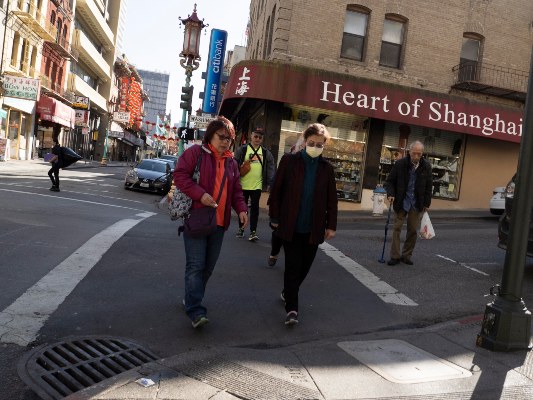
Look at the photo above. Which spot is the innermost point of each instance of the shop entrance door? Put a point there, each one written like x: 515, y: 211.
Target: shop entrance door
x: 13, y: 129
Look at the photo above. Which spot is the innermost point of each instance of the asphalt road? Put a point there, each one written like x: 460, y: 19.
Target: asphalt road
x: 134, y: 289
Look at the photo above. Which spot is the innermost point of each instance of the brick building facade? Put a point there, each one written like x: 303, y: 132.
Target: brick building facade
x: 380, y: 74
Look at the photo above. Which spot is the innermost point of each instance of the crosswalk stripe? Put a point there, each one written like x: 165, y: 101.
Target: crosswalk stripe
x: 382, y: 289
x: 21, y: 322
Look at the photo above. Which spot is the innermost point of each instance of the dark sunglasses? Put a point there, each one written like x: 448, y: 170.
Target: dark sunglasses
x: 224, y: 138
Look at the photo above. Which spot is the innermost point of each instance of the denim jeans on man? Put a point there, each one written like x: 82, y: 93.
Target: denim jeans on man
x: 201, y: 257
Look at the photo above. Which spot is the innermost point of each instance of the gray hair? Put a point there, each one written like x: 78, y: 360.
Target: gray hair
x: 416, y: 143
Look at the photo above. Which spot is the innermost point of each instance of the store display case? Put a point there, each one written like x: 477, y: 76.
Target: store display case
x: 347, y: 158
x: 444, y: 169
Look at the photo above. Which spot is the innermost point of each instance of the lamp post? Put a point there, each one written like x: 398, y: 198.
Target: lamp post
x: 110, y: 108
x: 190, y: 57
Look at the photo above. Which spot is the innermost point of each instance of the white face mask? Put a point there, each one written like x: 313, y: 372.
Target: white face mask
x: 313, y: 152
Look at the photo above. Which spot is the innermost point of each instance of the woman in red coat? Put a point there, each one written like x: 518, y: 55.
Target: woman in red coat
x: 219, y: 178
x: 303, y: 208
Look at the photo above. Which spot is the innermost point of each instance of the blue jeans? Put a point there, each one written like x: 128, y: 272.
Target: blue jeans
x: 201, y: 256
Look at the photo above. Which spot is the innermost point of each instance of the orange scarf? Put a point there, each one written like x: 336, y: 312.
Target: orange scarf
x: 220, y: 161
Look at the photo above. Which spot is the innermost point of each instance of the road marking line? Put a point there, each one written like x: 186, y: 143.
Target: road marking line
x: 78, y: 200
x: 21, y: 322
x: 384, y: 291
x: 463, y: 265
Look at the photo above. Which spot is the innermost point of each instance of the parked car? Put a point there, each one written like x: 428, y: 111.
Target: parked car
x: 497, y: 201
x: 169, y: 161
x: 150, y: 175
x: 169, y: 157
x: 505, y: 220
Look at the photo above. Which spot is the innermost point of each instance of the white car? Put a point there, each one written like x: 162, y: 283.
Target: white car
x: 497, y: 201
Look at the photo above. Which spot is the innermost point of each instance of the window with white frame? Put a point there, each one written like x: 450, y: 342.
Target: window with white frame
x: 470, y: 57
x: 392, y: 42
x: 355, y: 34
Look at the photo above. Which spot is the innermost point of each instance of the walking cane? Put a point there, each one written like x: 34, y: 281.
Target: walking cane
x: 382, y: 260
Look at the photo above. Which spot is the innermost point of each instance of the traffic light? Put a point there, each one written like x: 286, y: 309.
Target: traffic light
x: 186, y: 98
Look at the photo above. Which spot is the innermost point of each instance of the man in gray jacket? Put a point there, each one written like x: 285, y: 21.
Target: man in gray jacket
x: 257, y: 168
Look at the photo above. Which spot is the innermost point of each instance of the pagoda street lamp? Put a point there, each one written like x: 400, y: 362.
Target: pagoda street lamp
x: 110, y: 108
x: 190, y: 57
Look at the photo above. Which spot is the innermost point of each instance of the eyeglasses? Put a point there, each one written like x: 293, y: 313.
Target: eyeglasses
x: 257, y: 137
x: 313, y: 144
x: 224, y: 138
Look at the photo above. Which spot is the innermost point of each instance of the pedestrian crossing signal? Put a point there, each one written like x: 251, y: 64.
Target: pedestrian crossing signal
x: 187, y: 133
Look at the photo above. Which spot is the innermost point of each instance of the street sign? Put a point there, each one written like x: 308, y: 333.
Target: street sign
x: 121, y: 116
x: 201, y: 121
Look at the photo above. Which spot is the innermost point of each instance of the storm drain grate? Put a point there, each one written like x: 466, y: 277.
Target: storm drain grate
x: 60, y: 369
x: 244, y: 382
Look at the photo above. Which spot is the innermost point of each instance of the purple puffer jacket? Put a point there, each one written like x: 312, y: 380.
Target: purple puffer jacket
x: 183, y: 180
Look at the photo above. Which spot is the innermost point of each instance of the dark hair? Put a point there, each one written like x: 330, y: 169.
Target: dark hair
x: 218, y: 123
x: 316, y: 129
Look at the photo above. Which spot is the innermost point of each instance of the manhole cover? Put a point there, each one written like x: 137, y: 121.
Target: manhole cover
x: 57, y: 370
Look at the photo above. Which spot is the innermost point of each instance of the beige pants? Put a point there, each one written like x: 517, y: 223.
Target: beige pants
x: 413, y: 224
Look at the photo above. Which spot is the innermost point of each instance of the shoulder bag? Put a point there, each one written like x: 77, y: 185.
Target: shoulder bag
x: 180, y: 204
x: 202, y: 221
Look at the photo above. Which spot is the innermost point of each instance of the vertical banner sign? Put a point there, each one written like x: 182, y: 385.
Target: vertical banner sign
x: 215, y: 68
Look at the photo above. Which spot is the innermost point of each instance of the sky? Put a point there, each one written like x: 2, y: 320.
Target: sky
x: 153, y: 38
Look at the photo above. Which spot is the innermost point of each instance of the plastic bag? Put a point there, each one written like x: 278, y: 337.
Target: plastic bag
x: 426, y: 228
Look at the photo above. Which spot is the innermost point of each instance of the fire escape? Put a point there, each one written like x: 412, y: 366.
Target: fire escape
x: 493, y: 80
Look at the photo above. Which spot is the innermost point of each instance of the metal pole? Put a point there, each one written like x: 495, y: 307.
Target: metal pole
x: 104, y: 158
x: 188, y: 74
x: 507, y: 321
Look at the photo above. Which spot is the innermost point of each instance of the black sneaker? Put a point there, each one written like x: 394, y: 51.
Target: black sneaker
x: 292, y: 318
x: 54, y: 189
x: 253, y: 237
x: 272, y: 261
x: 240, y: 233
x: 200, y: 321
x: 394, y: 261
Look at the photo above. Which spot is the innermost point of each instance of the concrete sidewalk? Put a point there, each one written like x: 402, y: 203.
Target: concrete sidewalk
x: 438, y: 362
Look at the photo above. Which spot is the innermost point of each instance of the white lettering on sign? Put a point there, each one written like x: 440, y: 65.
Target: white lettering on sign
x: 242, y: 86
x: 217, y: 56
x: 440, y: 112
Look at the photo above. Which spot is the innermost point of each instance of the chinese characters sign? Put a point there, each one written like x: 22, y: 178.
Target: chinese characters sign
x: 23, y: 88
x: 375, y: 99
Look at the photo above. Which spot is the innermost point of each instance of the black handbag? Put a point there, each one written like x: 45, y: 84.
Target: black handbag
x: 202, y: 221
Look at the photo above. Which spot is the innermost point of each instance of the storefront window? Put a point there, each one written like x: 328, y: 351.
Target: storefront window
x: 345, y: 150
x: 443, y: 149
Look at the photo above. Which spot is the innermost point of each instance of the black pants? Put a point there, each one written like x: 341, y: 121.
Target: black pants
x: 253, y: 196
x: 275, y: 243
x: 53, y: 173
x: 299, y: 255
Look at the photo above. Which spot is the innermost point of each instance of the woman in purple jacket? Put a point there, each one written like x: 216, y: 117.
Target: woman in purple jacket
x: 202, y: 253
x: 303, y: 208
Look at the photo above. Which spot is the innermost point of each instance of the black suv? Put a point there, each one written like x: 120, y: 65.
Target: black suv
x: 505, y: 220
